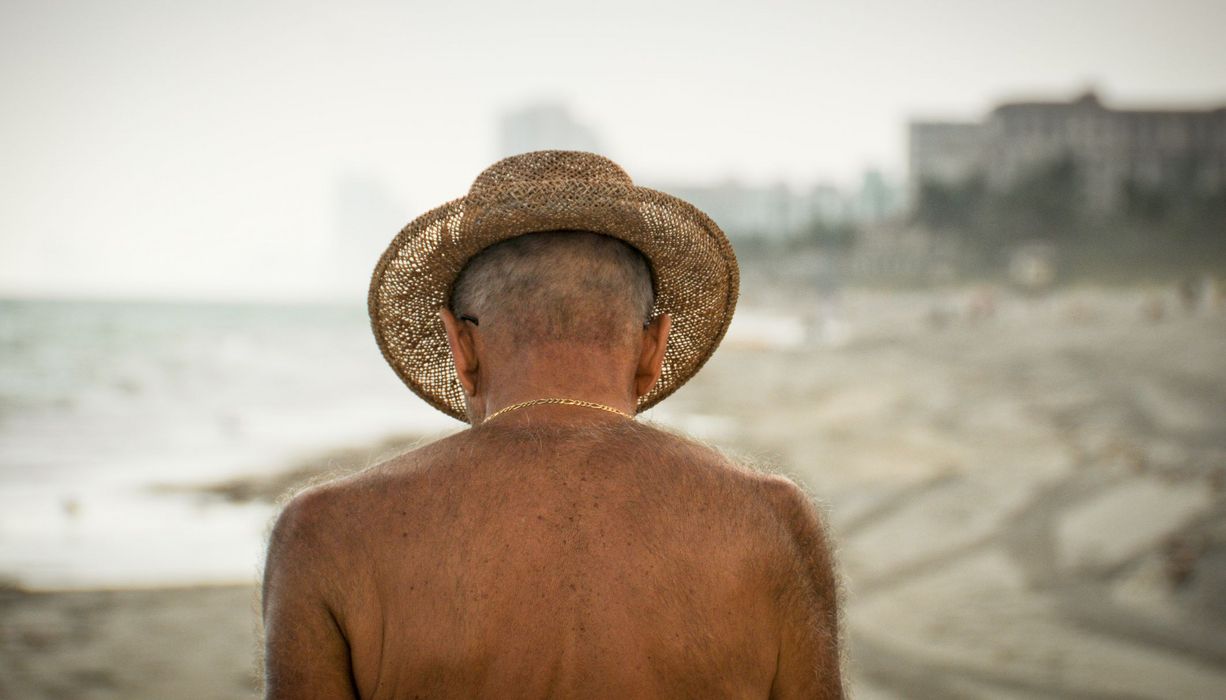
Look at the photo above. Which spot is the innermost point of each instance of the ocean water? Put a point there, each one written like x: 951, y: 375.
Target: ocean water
x: 102, y: 403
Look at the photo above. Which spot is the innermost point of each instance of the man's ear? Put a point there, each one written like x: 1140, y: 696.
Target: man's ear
x: 463, y: 350
x: 651, y: 359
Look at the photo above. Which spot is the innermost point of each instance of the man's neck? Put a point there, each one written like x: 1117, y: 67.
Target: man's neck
x: 574, y: 377
x: 574, y: 400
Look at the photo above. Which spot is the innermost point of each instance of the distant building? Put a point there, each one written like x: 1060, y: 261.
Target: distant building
x: 545, y: 125
x: 771, y: 213
x: 777, y: 213
x: 827, y: 204
x: 877, y: 199
x: 944, y: 152
x: 1111, y: 148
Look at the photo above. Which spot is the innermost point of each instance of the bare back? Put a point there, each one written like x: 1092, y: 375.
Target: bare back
x: 606, y: 560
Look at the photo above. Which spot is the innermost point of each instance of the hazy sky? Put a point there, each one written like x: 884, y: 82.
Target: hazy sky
x: 199, y: 149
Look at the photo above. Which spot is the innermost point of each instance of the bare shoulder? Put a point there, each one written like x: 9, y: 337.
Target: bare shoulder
x: 785, y: 511
x: 310, y: 575
x: 794, y: 507
x: 327, y: 517
x: 777, y: 498
x: 807, y: 591
x: 681, y: 449
x: 785, y: 525
x: 715, y: 461
x: 794, y: 517
x: 306, y: 541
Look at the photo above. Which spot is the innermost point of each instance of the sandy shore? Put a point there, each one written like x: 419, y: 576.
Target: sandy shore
x: 1030, y: 504
x: 169, y: 643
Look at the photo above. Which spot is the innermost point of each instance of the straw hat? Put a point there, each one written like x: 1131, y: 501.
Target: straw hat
x: 692, y: 263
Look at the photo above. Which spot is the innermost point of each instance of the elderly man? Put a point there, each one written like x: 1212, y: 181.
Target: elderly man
x: 558, y: 547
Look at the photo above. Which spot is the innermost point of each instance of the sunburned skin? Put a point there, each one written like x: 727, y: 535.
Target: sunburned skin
x: 528, y: 558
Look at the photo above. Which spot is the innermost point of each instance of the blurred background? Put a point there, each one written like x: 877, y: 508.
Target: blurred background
x: 982, y: 319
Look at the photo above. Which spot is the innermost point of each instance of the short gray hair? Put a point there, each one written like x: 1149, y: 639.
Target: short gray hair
x: 571, y: 286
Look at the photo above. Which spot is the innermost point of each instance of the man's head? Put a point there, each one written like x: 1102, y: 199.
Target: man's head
x: 691, y: 263
x: 571, y: 287
x: 565, y: 311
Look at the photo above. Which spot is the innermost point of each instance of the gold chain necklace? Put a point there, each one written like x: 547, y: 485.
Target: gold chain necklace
x: 563, y: 402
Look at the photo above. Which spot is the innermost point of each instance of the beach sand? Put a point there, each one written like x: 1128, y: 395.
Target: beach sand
x: 167, y: 643
x: 1027, y: 503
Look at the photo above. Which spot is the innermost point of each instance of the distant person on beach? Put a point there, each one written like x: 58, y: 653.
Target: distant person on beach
x: 557, y: 547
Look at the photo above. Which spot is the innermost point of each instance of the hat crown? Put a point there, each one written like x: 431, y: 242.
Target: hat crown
x: 547, y: 166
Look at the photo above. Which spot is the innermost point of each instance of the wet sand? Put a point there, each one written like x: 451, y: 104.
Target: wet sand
x: 1027, y: 505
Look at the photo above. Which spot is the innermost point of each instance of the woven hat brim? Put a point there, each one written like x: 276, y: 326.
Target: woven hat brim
x: 696, y: 274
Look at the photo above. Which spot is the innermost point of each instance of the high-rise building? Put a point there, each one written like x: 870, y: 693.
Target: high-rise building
x: 1111, y: 148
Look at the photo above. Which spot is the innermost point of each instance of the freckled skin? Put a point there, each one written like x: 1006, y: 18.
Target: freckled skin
x: 604, y: 559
